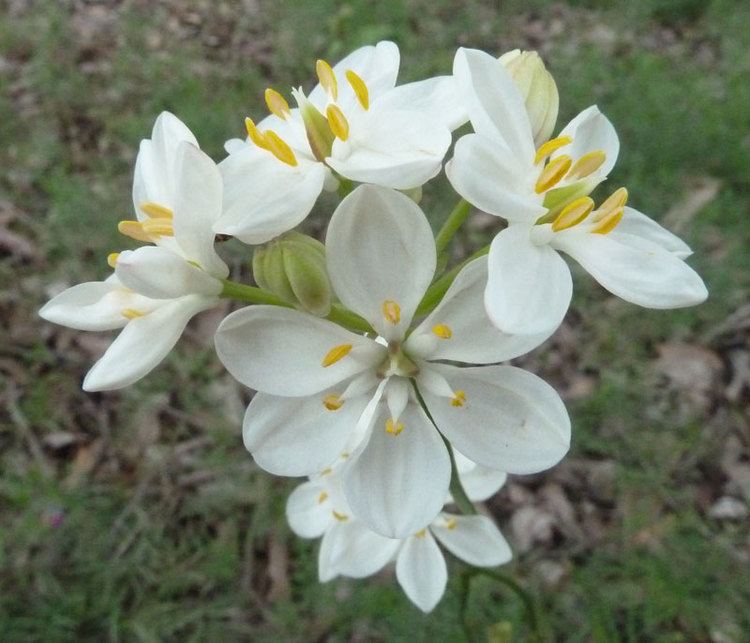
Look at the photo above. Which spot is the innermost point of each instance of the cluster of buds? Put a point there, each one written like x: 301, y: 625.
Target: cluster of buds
x: 378, y: 369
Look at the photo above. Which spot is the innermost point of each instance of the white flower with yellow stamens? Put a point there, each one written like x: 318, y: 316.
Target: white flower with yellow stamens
x: 348, y: 548
x: 322, y: 387
x: 355, y: 123
x: 155, y: 289
x: 542, y: 194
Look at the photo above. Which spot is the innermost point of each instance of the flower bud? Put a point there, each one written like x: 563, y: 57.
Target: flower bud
x: 293, y: 267
x: 538, y: 88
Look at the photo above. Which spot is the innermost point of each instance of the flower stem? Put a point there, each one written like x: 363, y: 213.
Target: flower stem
x: 255, y: 295
x: 526, y: 598
x: 452, y: 224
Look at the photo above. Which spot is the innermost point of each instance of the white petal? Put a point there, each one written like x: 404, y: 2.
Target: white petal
x: 144, y: 343
x: 494, y: 104
x: 398, y: 482
x: 529, y: 287
x: 640, y: 272
x: 307, y: 516
x: 397, y: 149
x: 637, y: 224
x: 474, y: 539
x: 591, y: 130
x: 437, y: 97
x: 94, y: 305
x: 360, y: 552
x: 492, y: 180
x: 511, y: 420
x: 479, y: 482
x: 161, y: 274
x: 379, y: 248
x: 421, y: 571
x: 264, y: 197
x: 197, y: 206
x: 473, y: 337
x: 234, y: 145
x: 280, y: 351
x: 298, y: 436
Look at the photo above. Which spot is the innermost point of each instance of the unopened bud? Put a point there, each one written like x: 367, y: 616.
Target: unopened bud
x: 538, y: 88
x: 293, y: 268
x: 319, y: 133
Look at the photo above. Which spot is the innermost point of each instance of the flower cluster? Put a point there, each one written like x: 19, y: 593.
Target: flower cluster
x: 378, y: 371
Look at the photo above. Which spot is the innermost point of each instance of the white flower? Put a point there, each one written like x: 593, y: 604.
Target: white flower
x: 542, y: 194
x: 319, y: 508
x: 155, y: 289
x: 355, y: 123
x: 319, y: 383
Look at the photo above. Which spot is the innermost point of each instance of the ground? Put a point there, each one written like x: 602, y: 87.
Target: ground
x: 138, y: 515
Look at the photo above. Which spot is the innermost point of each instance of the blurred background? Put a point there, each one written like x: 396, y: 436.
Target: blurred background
x: 138, y: 515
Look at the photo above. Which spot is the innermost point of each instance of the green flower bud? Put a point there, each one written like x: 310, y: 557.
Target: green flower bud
x: 293, y: 267
x: 538, y: 88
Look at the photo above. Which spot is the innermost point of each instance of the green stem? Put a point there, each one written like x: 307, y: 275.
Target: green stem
x: 452, y: 224
x: 255, y: 295
x: 526, y: 598
x: 436, y: 291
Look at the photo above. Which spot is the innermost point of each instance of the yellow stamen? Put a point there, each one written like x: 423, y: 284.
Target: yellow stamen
x: 336, y: 353
x: 458, y: 399
x: 112, y: 259
x: 587, y: 164
x: 134, y: 230
x: 345, y: 455
x: 337, y: 122
x: 550, y: 146
x: 421, y: 533
x: 277, y: 104
x: 391, y: 311
x: 322, y: 497
x: 279, y: 148
x: 552, y: 173
x: 158, y: 227
x: 442, y: 331
x: 326, y: 471
x: 155, y: 210
x: 131, y: 313
x: 338, y: 516
x: 359, y: 87
x: 327, y: 78
x: 609, y: 222
x: 450, y: 523
x: 255, y: 134
x: 573, y: 213
x: 394, y: 428
x: 333, y: 402
x: 617, y: 199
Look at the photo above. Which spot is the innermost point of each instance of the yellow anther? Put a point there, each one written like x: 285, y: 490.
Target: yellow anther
x: 617, y: 199
x: 277, y: 104
x: 394, y: 428
x: 339, y: 516
x: 450, y: 523
x: 442, y: 331
x: 131, y: 313
x: 158, y: 227
x: 337, y: 122
x: 609, y: 222
x: 336, y: 353
x: 279, y: 148
x: 333, y: 402
x: 458, y: 399
x: 327, y: 78
x: 391, y: 311
x: 573, y: 213
x: 112, y: 259
x: 134, y: 230
x: 255, y: 134
x: 359, y: 87
x: 587, y: 164
x: 552, y: 173
x: 345, y: 455
x: 420, y: 534
x: 155, y: 210
x: 550, y: 146
x: 322, y: 497
x: 327, y: 471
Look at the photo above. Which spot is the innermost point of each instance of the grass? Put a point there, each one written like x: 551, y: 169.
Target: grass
x: 152, y: 523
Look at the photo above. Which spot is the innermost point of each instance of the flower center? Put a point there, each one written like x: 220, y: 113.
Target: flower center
x: 397, y: 363
x: 157, y: 224
x: 561, y: 167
